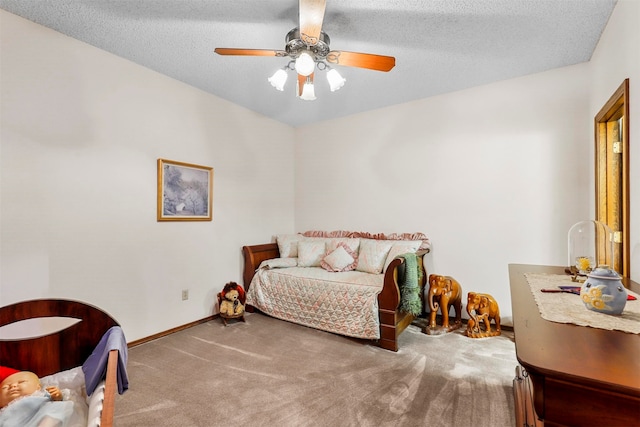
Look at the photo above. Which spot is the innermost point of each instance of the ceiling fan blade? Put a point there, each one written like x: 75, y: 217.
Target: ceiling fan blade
x: 249, y: 52
x: 311, y: 15
x: 361, y: 60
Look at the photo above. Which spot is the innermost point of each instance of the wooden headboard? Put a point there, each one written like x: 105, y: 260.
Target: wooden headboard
x: 58, y: 351
x: 253, y: 256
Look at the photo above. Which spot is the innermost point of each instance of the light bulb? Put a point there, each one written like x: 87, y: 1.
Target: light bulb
x: 278, y: 79
x: 305, y: 64
x: 336, y: 81
x: 308, y: 92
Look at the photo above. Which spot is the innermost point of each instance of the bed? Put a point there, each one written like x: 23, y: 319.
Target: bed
x: 66, y: 351
x: 381, y: 291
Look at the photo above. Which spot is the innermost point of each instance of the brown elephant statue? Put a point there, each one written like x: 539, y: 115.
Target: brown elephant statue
x: 444, y: 292
x: 482, y: 308
x: 473, y: 324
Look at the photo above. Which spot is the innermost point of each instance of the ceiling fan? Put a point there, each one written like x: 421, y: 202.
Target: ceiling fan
x: 308, y: 47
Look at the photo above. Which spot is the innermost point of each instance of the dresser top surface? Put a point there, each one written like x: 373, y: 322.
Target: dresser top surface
x: 580, y: 354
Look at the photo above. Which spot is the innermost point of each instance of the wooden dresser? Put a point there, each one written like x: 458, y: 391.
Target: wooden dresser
x: 571, y: 375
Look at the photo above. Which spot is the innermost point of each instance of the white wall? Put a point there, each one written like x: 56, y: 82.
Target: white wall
x: 80, y: 134
x: 493, y: 175
x: 616, y: 58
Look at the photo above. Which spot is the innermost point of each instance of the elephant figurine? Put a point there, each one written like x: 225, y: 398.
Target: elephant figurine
x: 473, y: 324
x: 444, y: 292
x: 482, y: 308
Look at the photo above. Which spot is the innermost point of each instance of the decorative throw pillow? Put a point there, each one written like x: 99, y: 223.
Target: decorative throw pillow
x: 373, y: 254
x: 310, y: 253
x: 400, y: 248
x: 288, y: 244
x: 342, y: 258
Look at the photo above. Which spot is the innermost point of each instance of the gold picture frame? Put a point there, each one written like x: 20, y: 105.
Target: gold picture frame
x: 185, y: 191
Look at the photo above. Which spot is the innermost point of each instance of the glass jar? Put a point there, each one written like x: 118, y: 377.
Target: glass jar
x: 590, y: 245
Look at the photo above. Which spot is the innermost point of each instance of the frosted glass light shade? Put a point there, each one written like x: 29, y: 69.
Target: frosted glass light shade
x: 308, y: 92
x: 336, y: 81
x: 278, y: 79
x: 305, y: 64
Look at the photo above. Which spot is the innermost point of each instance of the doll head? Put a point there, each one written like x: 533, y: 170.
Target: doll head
x: 20, y: 384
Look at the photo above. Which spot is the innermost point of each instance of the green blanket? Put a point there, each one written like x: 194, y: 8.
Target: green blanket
x: 409, y: 278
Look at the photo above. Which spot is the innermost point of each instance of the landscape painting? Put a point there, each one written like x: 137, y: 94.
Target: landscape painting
x: 185, y: 191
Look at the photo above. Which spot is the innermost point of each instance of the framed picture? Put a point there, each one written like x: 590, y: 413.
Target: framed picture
x: 185, y: 191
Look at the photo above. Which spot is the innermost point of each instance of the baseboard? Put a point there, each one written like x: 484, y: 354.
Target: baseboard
x: 216, y: 316
x: 170, y: 331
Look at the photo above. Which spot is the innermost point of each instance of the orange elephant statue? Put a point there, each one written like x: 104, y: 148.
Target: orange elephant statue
x: 444, y: 292
x: 482, y: 308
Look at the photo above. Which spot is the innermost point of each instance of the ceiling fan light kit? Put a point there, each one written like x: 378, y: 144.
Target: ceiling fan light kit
x: 305, y: 64
x: 278, y: 79
x: 336, y: 81
x: 308, y: 48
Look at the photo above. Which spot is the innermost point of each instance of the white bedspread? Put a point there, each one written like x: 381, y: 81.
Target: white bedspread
x: 343, y: 303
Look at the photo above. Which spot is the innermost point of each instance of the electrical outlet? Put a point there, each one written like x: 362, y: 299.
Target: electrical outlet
x: 185, y: 294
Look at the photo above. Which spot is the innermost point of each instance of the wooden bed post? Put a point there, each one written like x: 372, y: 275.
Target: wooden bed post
x: 109, y: 403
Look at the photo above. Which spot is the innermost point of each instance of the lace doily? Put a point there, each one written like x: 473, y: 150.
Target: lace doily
x: 569, y: 308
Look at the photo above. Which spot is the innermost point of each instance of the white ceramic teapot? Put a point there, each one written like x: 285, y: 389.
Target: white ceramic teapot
x: 603, y: 291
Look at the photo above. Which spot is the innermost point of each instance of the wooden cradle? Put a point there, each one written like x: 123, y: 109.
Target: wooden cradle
x: 64, y: 349
x: 392, y: 320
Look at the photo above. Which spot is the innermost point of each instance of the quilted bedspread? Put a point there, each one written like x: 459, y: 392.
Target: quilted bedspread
x: 344, y: 303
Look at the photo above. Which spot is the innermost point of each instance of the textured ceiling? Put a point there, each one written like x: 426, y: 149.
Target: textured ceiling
x: 439, y: 45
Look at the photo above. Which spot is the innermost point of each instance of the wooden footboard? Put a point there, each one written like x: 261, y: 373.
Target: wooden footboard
x: 64, y: 349
x: 392, y: 321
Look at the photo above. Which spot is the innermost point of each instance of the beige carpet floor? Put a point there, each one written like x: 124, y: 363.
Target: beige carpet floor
x: 267, y: 372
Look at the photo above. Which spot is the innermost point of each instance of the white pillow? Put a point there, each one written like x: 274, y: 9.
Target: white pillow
x: 341, y: 258
x: 279, y: 263
x: 288, y: 244
x: 372, y: 255
x: 401, y: 247
x: 326, y: 240
x: 311, y: 252
x: 353, y: 244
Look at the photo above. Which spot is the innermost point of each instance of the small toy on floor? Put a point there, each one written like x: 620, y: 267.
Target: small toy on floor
x: 231, y: 301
